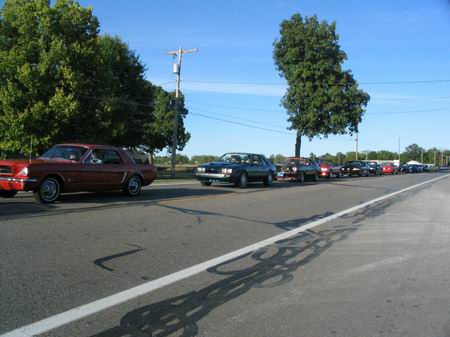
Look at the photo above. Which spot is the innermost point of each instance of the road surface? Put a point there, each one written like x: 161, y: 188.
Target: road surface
x: 381, y: 270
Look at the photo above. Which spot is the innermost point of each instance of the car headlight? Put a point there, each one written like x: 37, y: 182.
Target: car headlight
x: 24, y: 171
x: 227, y: 171
x: 294, y: 169
x: 200, y: 169
x: 355, y: 169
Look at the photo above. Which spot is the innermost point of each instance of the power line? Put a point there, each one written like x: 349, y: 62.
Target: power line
x: 235, y: 107
x: 259, y: 128
x: 363, y: 83
x: 238, y: 118
x: 407, y: 112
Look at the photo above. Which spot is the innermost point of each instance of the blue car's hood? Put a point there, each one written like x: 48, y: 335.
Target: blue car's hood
x: 222, y: 164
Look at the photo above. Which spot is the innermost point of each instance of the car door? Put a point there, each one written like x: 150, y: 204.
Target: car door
x: 103, y: 169
x: 257, y: 168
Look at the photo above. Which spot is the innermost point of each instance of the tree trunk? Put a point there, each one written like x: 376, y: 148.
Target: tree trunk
x: 298, y: 143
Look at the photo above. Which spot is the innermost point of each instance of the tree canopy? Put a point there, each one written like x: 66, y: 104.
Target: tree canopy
x: 61, y: 81
x: 321, y: 98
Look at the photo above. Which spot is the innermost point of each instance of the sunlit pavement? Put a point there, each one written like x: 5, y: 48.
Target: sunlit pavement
x: 379, y: 271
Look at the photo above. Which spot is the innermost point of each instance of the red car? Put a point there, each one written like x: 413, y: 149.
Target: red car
x: 75, y: 168
x: 329, y: 170
x: 390, y: 169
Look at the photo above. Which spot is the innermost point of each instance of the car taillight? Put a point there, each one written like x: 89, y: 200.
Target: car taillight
x: 324, y: 169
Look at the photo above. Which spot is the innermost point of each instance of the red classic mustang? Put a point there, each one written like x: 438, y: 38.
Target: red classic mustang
x: 74, y: 168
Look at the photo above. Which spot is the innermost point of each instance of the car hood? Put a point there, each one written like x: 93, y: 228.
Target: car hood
x: 23, y: 162
x: 221, y: 165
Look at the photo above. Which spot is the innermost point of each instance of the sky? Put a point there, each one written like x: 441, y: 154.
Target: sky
x: 232, y: 76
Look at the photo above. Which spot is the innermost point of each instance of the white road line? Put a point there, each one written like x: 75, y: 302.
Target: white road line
x: 78, y: 313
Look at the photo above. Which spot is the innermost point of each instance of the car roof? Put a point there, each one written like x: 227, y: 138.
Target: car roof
x: 245, y: 153
x: 89, y: 146
x: 296, y: 158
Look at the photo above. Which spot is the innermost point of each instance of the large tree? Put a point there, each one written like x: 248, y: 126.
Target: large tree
x: 61, y: 81
x: 46, y: 58
x: 322, y: 98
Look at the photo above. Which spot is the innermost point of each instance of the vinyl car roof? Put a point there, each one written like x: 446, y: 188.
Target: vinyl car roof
x: 89, y: 146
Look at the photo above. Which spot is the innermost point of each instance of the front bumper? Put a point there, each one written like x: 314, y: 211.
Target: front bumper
x: 17, y: 184
x: 215, y: 178
x: 286, y: 176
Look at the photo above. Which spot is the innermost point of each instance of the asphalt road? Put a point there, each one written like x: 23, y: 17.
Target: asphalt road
x: 380, y: 271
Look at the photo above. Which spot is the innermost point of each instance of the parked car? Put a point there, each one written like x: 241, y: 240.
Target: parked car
x: 403, y: 168
x: 390, y: 169
x: 432, y: 168
x: 298, y: 169
x: 329, y: 170
x: 75, y: 168
x: 355, y: 168
x: 375, y: 168
x: 414, y: 168
x: 237, y: 168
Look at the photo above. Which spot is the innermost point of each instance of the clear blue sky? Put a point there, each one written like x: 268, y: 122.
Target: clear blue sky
x: 385, y: 40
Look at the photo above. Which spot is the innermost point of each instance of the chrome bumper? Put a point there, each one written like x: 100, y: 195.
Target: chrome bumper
x: 18, y: 180
x: 212, y: 175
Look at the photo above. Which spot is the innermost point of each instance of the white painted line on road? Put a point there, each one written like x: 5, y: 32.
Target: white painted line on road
x: 78, y: 313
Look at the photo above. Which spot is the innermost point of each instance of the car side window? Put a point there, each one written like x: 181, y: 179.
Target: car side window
x: 99, y: 156
x: 110, y: 157
x: 256, y: 160
x: 94, y: 157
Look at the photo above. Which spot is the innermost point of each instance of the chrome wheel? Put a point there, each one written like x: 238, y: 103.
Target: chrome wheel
x: 49, y: 190
x: 133, y: 186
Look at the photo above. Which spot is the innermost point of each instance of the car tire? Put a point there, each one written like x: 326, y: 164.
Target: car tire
x: 268, y: 181
x: 206, y: 183
x: 315, y: 177
x: 133, y: 186
x: 8, y: 194
x: 243, y: 180
x: 301, y: 178
x: 48, y: 190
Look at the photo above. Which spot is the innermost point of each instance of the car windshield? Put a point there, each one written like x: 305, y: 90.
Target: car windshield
x: 73, y: 153
x: 291, y: 161
x: 236, y: 158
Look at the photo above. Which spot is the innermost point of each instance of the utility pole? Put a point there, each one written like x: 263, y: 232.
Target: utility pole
x: 421, y: 156
x: 399, y: 155
x: 177, y: 71
x: 357, y: 135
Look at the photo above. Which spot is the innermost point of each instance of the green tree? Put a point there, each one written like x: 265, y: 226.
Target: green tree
x: 201, y: 159
x: 372, y: 155
x: 351, y: 155
x: 340, y: 158
x: 321, y: 98
x: 60, y: 81
x: 46, y: 59
x: 387, y: 155
x: 412, y: 152
x: 159, y: 132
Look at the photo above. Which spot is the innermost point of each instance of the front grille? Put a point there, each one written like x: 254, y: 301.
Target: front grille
x: 5, y: 169
x: 212, y: 170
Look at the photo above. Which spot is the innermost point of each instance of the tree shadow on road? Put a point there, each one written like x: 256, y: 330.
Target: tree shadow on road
x: 268, y: 267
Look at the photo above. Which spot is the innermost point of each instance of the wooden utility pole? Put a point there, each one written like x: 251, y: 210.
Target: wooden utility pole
x: 357, y: 136
x: 177, y: 71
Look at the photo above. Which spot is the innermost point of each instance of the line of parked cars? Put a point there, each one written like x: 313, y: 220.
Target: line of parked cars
x: 86, y: 167
x: 242, y: 168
